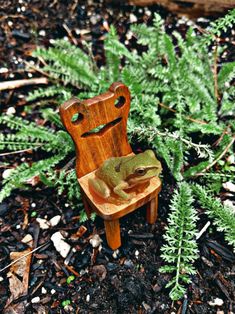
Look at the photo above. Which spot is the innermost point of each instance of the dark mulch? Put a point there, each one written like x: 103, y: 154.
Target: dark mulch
x: 126, y: 281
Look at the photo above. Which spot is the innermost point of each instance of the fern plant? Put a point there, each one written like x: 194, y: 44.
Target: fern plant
x: 181, y: 248
x: 29, y: 136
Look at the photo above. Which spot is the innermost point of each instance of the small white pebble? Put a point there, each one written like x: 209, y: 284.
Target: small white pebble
x: 88, y: 298
x: 18, y: 10
x: 10, y: 23
x: 30, y: 74
x: 18, y: 226
x: 43, y: 223
x: 137, y: 253
x: 216, y: 302
x: 44, y: 291
x: 115, y: 253
x: 10, y: 111
x: 27, y: 239
x: 42, y: 33
x: 3, y: 70
x: 229, y: 186
x: 95, y: 241
x: 53, y: 291
x: 60, y: 245
x: 23, y: 9
x: 1, y: 279
x: 202, y: 20
x: 129, y: 35
x: 226, y: 84
x: 55, y: 220
x: 133, y: 18
x: 66, y: 205
x: 35, y: 300
x: 33, y: 205
x: 6, y: 173
x: 148, y: 12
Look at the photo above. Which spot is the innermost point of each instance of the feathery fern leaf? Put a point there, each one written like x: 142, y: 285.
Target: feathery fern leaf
x: 223, y: 216
x: 180, y: 250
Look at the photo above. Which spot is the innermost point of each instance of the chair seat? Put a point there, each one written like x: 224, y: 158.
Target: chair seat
x: 110, y: 211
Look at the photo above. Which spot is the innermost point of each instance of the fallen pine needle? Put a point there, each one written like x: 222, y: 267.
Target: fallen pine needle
x: 16, y: 260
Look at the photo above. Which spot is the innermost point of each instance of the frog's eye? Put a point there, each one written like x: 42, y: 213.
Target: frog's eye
x: 140, y: 171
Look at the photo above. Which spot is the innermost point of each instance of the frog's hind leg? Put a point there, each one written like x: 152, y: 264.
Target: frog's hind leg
x: 99, y: 187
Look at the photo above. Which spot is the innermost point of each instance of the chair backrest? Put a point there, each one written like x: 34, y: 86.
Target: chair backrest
x: 98, y: 127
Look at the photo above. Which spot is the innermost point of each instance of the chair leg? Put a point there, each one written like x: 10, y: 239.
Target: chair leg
x: 152, y: 208
x: 113, y: 236
x: 87, y: 206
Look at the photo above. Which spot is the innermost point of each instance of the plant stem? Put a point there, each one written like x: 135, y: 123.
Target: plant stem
x: 187, y: 117
x: 218, y: 158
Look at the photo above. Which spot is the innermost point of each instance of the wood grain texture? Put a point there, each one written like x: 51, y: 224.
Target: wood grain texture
x: 110, y: 111
x: 152, y: 209
x: 112, y: 229
x: 93, y: 149
x: 111, y: 211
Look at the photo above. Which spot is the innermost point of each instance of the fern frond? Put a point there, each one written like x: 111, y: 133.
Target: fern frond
x: 19, y: 176
x: 180, y: 250
x: 226, y: 74
x: 223, y: 216
x: 68, y: 64
x: 49, y: 92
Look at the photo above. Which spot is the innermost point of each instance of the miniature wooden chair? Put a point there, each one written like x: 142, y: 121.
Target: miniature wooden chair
x: 109, y: 112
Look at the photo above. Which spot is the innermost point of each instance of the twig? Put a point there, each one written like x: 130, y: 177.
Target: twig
x: 225, y: 131
x: 187, y: 117
x: 20, y: 83
x: 215, y: 73
x: 17, y: 152
x: 18, y: 259
x: 199, y: 234
x: 36, y: 69
x: 74, y: 40
x: 218, y: 158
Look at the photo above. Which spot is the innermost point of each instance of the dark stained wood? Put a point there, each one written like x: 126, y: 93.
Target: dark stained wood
x: 152, y: 208
x: 93, y: 148
x: 111, y: 211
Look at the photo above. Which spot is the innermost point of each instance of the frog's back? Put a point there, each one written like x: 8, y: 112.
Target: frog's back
x: 110, y: 170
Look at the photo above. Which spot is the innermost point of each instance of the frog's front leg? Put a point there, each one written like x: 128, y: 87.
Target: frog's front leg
x: 119, y: 190
x: 100, y: 187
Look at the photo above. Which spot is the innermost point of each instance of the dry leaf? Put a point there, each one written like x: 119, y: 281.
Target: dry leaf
x: 18, y: 281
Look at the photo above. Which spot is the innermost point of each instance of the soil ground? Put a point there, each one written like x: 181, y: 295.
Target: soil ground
x: 126, y: 281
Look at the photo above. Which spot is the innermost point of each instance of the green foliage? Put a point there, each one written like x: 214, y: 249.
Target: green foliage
x: 223, y: 216
x: 217, y: 27
x: 29, y: 135
x: 180, y: 250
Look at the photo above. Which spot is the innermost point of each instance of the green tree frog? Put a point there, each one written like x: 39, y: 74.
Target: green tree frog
x: 117, y: 174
